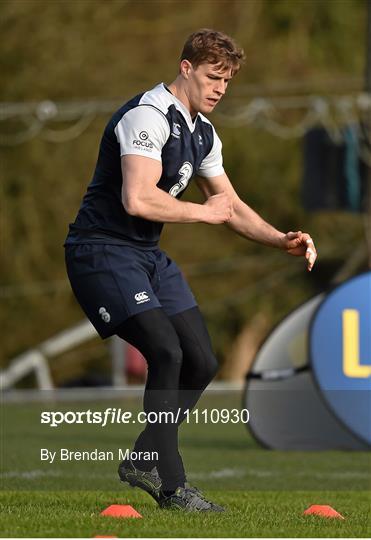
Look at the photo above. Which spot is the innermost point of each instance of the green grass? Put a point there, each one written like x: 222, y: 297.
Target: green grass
x: 265, y: 492
x: 257, y: 514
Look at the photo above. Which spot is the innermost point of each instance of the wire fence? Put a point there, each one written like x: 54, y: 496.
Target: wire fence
x: 332, y: 112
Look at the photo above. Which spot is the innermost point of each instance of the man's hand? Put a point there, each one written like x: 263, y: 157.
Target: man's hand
x: 219, y: 209
x: 300, y: 244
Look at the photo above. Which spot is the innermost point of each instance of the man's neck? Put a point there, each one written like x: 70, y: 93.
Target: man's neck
x: 178, y: 90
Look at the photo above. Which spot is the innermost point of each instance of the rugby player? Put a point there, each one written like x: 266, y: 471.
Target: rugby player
x: 150, y: 150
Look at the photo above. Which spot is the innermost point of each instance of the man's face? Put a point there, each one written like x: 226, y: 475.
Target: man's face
x: 205, y: 86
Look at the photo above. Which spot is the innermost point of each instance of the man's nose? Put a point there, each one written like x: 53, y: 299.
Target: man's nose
x: 221, y: 87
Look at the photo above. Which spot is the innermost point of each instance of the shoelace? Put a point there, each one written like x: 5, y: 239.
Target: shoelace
x: 195, y: 489
x: 153, y: 474
x: 198, y: 492
x: 193, y: 498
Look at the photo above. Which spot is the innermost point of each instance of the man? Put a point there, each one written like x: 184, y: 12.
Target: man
x: 150, y: 150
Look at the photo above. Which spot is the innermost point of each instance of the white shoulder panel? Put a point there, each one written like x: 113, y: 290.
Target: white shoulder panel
x: 142, y: 131
x: 204, y: 119
x: 162, y: 99
x: 212, y: 164
x: 158, y: 97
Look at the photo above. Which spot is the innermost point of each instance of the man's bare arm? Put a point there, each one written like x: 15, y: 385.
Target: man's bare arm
x: 142, y: 198
x: 247, y: 223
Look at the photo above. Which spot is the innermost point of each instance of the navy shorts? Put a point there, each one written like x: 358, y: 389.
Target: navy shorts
x: 114, y: 282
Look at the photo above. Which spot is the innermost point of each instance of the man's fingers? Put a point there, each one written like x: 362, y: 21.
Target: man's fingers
x: 310, y: 253
x: 293, y: 235
x: 299, y: 244
x: 294, y: 242
x: 311, y: 256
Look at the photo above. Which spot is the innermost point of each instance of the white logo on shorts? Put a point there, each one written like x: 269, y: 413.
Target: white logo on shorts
x: 104, y: 314
x: 141, y: 297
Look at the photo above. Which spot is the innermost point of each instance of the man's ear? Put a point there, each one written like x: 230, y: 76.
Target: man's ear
x: 185, y: 67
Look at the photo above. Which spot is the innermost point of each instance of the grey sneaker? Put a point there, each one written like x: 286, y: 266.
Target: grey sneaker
x: 149, y: 481
x: 214, y: 507
x: 189, y: 500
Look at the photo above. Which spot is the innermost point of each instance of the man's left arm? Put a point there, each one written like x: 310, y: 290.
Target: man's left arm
x: 247, y: 223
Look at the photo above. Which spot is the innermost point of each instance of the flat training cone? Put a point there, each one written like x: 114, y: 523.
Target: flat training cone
x: 121, y: 511
x: 323, y: 511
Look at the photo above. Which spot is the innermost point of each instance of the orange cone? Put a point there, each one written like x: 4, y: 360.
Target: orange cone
x: 323, y: 511
x: 121, y: 511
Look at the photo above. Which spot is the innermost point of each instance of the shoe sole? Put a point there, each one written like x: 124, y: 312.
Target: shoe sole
x: 182, y: 508
x: 140, y: 483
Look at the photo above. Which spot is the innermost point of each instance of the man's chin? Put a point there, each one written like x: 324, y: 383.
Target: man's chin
x: 208, y: 108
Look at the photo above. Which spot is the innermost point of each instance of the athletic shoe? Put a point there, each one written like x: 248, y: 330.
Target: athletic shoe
x: 149, y: 481
x: 215, y: 507
x: 189, y: 500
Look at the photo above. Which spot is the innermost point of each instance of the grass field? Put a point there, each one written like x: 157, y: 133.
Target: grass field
x: 265, y: 492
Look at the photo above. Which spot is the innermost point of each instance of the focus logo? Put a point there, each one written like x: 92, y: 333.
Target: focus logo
x: 143, y: 141
x: 340, y: 349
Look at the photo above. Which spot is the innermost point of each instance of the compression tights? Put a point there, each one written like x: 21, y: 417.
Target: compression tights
x: 180, y: 366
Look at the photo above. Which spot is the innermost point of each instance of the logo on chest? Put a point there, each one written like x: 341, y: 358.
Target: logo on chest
x: 176, y: 130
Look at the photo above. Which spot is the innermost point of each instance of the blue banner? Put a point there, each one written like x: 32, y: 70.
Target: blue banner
x: 340, y: 353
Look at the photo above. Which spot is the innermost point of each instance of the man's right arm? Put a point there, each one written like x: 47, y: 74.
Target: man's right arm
x: 142, y: 198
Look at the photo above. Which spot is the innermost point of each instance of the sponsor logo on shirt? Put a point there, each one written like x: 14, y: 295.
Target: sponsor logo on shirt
x: 141, y: 297
x: 142, y: 143
x: 185, y: 172
x: 176, y: 130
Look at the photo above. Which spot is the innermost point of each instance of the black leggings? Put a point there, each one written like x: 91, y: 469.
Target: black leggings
x: 181, y: 364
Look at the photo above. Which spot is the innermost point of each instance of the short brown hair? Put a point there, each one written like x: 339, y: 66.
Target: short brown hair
x: 211, y: 47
